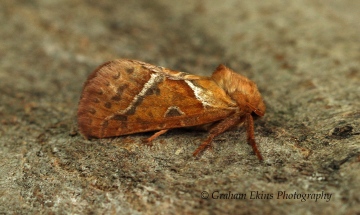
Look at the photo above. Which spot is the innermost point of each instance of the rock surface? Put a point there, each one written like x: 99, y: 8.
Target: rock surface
x: 303, y: 55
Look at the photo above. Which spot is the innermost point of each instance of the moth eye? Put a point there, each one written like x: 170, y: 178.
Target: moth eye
x: 258, y: 112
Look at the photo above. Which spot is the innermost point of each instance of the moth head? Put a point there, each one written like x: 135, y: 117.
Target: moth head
x: 241, y: 89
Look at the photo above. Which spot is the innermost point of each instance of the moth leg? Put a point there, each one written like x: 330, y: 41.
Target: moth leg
x: 251, y: 136
x: 154, y: 136
x: 227, y: 123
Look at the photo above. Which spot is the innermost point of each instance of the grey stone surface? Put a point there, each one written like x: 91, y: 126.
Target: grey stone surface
x: 304, y: 56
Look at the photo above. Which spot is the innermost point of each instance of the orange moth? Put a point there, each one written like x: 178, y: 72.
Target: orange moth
x: 128, y: 96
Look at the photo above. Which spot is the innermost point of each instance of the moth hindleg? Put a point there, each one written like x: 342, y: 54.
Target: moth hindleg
x: 154, y: 136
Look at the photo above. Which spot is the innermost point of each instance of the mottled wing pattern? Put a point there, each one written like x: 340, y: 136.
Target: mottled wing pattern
x: 125, y: 96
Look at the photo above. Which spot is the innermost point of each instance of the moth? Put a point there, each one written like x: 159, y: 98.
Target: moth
x: 125, y: 96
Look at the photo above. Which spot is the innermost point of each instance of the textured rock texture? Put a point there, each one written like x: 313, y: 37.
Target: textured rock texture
x: 304, y: 56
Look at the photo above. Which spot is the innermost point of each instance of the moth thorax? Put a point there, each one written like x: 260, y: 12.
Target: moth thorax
x: 232, y: 82
x: 240, y: 88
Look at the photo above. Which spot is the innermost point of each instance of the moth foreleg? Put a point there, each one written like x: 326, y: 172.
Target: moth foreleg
x: 251, y: 136
x: 221, y: 127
